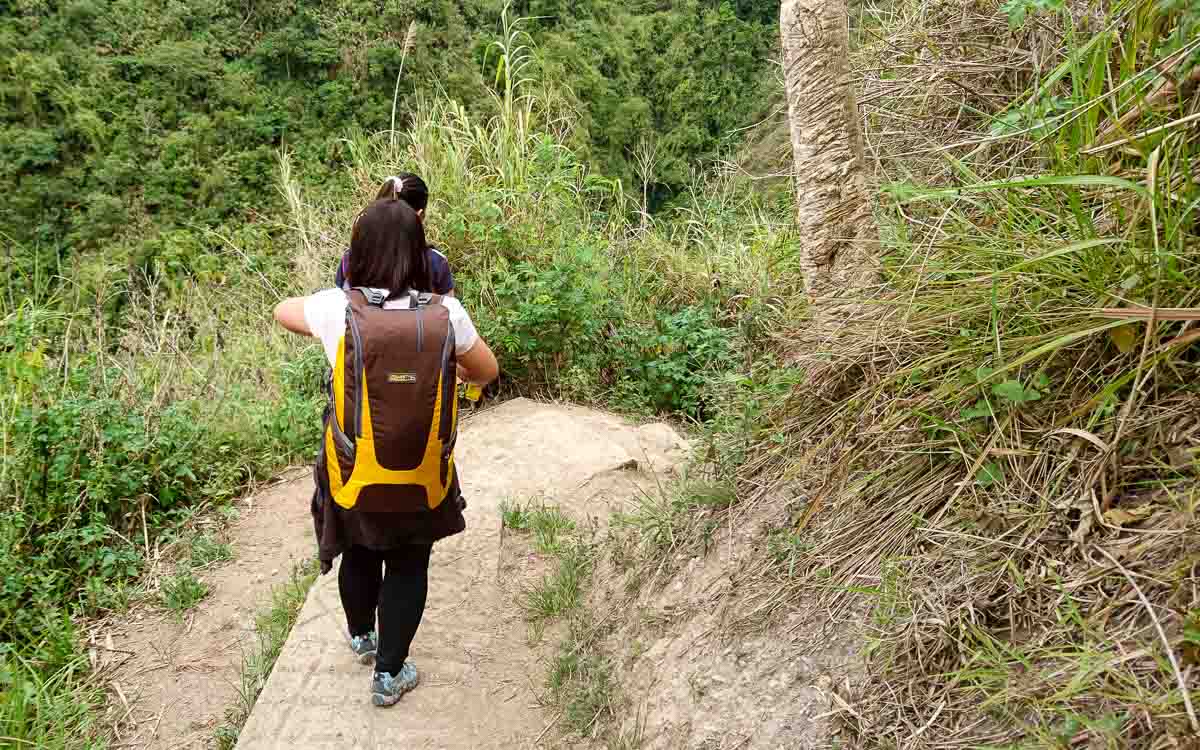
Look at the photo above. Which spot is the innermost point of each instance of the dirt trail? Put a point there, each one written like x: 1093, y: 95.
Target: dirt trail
x: 480, y: 679
x: 172, y: 680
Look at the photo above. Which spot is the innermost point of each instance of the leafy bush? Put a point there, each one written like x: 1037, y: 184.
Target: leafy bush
x: 669, y: 366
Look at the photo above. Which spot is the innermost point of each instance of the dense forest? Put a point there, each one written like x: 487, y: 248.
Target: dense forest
x: 145, y: 128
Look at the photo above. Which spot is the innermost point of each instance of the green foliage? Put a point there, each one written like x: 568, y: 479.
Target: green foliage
x: 546, y: 315
x: 683, y: 75
x: 133, y: 127
x: 669, y: 367
x: 52, y: 708
x: 182, y: 591
x: 570, y: 314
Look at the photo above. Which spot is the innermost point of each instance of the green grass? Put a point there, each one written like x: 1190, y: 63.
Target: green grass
x: 182, y: 591
x: 547, y: 524
x: 579, y: 679
x: 562, y: 591
x: 205, y: 550
x: 54, y: 710
x: 673, y: 516
x: 581, y: 683
x: 272, y: 627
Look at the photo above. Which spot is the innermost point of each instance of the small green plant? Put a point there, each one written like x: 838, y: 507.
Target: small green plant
x: 206, y: 550
x: 990, y: 473
x: 581, y: 682
x: 182, y: 591
x: 786, y: 547
x: 561, y: 592
x: 547, y: 524
x: 514, y: 516
x: 1017, y: 10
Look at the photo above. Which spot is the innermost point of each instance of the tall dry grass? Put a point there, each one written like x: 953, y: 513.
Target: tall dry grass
x: 1016, y: 430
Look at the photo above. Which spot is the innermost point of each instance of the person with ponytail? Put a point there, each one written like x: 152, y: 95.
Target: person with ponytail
x: 411, y: 189
x: 384, y: 540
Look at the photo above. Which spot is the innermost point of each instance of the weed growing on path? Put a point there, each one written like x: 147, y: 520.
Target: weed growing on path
x: 547, y: 524
x: 182, y: 591
x: 205, y: 550
x: 561, y: 592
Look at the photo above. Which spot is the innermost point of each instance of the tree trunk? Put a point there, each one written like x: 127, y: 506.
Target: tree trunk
x: 838, y: 236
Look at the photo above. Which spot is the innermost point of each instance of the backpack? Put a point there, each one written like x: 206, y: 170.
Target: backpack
x: 392, y: 418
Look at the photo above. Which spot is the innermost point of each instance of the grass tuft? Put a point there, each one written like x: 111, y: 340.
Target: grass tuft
x: 54, y: 710
x: 182, y: 591
x: 547, y: 524
x: 561, y: 592
x: 205, y: 550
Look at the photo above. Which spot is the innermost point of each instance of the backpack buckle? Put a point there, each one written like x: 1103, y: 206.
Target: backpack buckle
x: 374, y: 297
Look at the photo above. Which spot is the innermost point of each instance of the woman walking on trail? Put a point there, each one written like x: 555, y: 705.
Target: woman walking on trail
x: 411, y: 189
x: 387, y: 489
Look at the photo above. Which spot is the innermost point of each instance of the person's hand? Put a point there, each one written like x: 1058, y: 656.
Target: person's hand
x: 462, y: 374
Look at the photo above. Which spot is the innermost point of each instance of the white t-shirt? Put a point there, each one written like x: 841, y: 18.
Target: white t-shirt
x: 325, y: 313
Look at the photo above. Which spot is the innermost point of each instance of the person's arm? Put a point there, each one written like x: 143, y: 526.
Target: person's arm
x: 478, y: 364
x: 290, y: 315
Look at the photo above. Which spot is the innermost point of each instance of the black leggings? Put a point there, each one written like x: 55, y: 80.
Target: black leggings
x: 399, y: 595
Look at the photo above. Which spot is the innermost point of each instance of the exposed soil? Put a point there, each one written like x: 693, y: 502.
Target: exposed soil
x: 171, y: 680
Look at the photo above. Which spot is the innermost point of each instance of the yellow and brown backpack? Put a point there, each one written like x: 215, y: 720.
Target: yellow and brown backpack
x: 392, y: 419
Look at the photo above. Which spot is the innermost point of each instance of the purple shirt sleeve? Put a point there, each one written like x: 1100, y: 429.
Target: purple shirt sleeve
x: 439, y: 273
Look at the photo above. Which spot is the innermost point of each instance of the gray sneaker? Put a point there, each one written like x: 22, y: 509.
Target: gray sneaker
x: 364, y: 647
x: 386, y: 689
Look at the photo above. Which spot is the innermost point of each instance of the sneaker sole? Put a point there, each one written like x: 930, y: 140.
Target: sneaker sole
x: 383, y: 700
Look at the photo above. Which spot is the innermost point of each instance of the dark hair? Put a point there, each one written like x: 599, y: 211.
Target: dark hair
x: 387, y: 248
x: 407, y: 187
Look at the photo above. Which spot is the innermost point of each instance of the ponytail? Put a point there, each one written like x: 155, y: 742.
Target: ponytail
x: 407, y: 187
